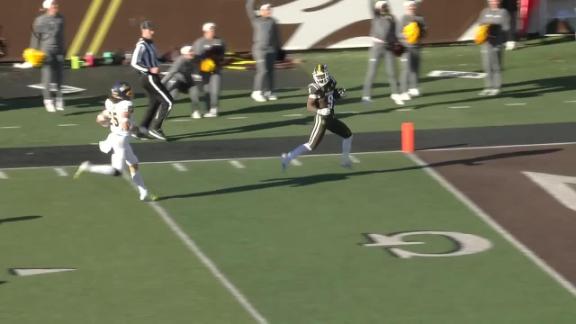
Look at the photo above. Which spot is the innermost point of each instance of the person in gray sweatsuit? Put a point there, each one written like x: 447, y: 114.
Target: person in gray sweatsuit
x: 183, y: 77
x: 210, y: 47
x: 411, y: 58
x: 383, y: 33
x: 498, y: 21
x: 265, y: 49
x: 48, y: 36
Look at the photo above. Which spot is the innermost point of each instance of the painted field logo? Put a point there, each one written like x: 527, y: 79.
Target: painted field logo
x: 465, y: 244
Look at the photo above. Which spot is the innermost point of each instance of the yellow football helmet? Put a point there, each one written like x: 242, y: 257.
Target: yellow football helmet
x: 34, y: 56
x: 481, y: 34
x: 411, y: 32
x: 207, y: 65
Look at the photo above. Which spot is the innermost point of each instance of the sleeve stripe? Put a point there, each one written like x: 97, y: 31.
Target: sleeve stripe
x: 136, y: 58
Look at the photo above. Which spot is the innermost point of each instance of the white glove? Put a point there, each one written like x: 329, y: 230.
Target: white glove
x: 323, y: 111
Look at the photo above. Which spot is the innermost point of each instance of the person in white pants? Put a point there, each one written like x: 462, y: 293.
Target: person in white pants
x: 118, y: 116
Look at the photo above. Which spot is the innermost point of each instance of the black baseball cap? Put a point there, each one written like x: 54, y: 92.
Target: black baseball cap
x: 147, y: 24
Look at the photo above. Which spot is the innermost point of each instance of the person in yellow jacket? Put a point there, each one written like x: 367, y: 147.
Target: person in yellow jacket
x: 412, y: 30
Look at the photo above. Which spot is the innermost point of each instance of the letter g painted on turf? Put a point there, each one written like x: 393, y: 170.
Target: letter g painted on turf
x: 466, y: 244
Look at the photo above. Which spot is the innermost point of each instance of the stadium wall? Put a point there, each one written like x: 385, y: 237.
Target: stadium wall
x: 112, y: 25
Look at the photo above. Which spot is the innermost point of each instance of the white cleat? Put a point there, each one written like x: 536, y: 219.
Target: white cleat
x: 285, y: 161
x: 397, y: 98
x: 81, y: 169
x: 212, y: 113
x: 257, y: 96
x: 414, y: 92
x: 196, y: 115
x: 148, y: 197
x: 366, y: 99
x: 346, y: 162
x: 49, y: 105
x: 405, y: 96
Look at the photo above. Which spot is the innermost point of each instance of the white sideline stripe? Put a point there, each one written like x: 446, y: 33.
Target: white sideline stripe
x: 239, y: 117
x: 3, y: 175
x: 293, y: 115
x: 516, y: 104
x: 260, y: 158
x: 459, y: 107
x: 193, y: 247
x: 494, y: 225
x: 10, y: 127
x: 237, y: 164
x: 570, y: 101
x: 296, y: 162
x: 180, y: 167
x: 61, y: 172
x: 67, y: 125
x: 354, y: 159
x: 404, y: 109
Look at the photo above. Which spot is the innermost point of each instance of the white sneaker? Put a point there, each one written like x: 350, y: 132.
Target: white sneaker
x: 397, y: 98
x: 24, y: 65
x: 270, y: 96
x: 366, y: 99
x: 212, y: 113
x: 405, y: 96
x: 510, y: 45
x: 49, y: 104
x: 257, y: 96
x: 60, y: 104
x: 494, y: 92
x: 81, y: 169
x: 414, y: 92
x: 485, y: 92
x: 196, y: 115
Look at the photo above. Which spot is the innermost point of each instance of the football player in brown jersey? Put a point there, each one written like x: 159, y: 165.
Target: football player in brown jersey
x: 322, y: 95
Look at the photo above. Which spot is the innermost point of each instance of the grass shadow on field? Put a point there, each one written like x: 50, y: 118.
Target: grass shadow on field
x: 18, y: 219
x: 335, y: 177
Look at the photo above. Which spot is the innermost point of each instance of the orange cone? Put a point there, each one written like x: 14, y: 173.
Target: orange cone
x: 408, y: 137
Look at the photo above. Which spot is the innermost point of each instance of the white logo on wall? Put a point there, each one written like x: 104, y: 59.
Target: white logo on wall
x: 66, y: 89
x: 330, y: 16
x: 464, y: 244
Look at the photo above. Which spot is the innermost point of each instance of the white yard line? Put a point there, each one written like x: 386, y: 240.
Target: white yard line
x: 3, y: 175
x: 67, y: 125
x: 10, y: 127
x: 238, y: 117
x: 61, y: 172
x: 458, y: 107
x: 237, y: 164
x: 516, y: 104
x: 404, y: 109
x: 494, y: 225
x: 179, y: 167
x: 293, y: 115
x: 570, y: 101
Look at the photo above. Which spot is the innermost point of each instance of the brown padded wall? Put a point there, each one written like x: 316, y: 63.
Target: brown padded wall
x: 179, y: 22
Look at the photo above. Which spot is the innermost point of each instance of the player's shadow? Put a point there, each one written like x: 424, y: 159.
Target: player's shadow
x: 244, y: 129
x: 3, y: 282
x: 18, y: 219
x: 334, y: 177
